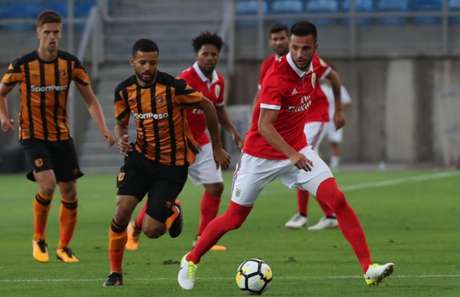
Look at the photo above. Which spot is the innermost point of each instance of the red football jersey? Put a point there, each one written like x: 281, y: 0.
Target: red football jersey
x: 213, y: 90
x: 289, y: 90
x: 266, y: 64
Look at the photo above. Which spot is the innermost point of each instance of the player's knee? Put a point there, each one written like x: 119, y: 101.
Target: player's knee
x: 153, y: 231
x: 69, y: 195
x: 215, y: 190
x: 122, y: 216
x: 48, y: 189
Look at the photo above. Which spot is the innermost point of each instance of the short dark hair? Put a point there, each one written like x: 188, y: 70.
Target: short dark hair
x: 207, y: 38
x: 145, y: 45
x: 278, y: 28
x: 304, y: 28
x: 46, y: 17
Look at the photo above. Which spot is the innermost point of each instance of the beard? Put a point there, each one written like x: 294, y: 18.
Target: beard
x: 146, y: 81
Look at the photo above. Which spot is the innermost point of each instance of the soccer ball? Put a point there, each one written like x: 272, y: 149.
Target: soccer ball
x: 253, y: 276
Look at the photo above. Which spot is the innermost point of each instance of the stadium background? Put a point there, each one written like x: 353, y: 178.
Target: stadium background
x: 398, y: 59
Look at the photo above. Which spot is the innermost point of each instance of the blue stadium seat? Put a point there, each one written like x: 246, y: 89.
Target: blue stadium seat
x: 361, y: 6
x: 427, y: 5
x: 286, y: 6
x: 392, y: 5
x: 249, y: 6
x: 454, y: 5
x: 319, y: 6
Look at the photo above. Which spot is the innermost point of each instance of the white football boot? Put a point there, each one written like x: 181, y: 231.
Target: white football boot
x: 186, y: 276
x: 296, y: 222
x: 324, y: 223
x: 376, y: 273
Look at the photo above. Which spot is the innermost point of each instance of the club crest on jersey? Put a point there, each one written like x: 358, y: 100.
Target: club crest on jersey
x: 121, y: 176
x: 38, y: 162
x: 217, y: 90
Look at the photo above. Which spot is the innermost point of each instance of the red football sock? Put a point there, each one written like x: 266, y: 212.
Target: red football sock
x: 140, y: 217
x: 41, y: 209
x: 67, y: 222
x: 209, y: 207
x: 329, y: 193
x: 302, y: 202
x: 232, y: 219
x: 328, y: 212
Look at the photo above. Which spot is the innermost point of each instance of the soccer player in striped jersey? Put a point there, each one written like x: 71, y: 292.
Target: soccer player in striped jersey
x: 44, y: 78
x: 202, y: 77
x: 157, y: 164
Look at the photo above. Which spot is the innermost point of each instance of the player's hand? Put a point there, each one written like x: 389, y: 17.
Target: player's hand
x: 221, y: 157
x: 300, y: 161
x: 237, y: 139
x: 7, y: 124
x: 339, y: 119
x: 109, y: 137
x: 123, y: 145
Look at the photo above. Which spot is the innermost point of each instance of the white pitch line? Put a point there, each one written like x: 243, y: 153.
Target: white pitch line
x: 398, y: 181
x: 161, y: 279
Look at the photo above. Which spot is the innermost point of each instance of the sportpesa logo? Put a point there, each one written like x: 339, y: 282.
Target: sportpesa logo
x: 149, y: 115
x: 43, y: 89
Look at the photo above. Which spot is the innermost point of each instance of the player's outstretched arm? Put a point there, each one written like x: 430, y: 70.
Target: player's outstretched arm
x: 267, y: 130
x: 339, y: 115
x: 5, y: 120
x: 220, y: 155
x: 227, y: 124
x: 95, y: 110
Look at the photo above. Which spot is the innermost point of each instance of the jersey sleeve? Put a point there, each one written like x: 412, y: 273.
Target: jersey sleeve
x: 344, y: 95
x: 79, y: 74
x: 121, y: 108
x: 270, y: 94
x: 184, y: 94
x: 321, y: 68
x: 13, y: 75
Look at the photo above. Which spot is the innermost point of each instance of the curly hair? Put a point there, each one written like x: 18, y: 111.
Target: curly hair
x: 207, y: 38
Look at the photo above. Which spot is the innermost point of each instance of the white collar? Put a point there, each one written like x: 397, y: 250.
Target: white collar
x: 296, y: 69
x: 203, y: 77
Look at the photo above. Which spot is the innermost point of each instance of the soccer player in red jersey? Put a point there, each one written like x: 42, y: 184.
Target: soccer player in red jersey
x: 202, y: 77
x: 276, y: 148
x: 44, y: 77
x: 278, y: 40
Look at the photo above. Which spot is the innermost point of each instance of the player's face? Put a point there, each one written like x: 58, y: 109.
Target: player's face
x: 302, y: 49
x: 279, y: 42
x: 49, y: 35
x: 145, y: 65
x: 207, y: 57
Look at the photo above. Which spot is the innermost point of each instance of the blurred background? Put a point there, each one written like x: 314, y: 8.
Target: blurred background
x: 399, y: 59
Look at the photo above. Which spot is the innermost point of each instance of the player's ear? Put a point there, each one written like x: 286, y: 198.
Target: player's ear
x: 131, y: 61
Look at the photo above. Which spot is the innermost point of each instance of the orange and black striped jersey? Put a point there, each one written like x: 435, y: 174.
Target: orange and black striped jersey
x: 158, y: 110
x: 44, y: 88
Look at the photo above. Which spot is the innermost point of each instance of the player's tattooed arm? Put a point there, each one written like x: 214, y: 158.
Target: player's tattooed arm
x: 339, y: 115
x: 7, y: 123
x: 121, y: 134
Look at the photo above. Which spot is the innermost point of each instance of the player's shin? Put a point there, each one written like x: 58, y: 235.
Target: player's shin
x: 42, y: 206
x: 68, y: 221
x: 329, y: 193
x: 117, y: 241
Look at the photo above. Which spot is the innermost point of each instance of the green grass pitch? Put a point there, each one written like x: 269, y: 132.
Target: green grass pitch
x: 410, y: 217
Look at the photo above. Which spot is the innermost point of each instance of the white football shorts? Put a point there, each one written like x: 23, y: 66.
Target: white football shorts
x: 203, y: 170
x: 252, y: 174
x: 314, y: 131
x: 334, y: 135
